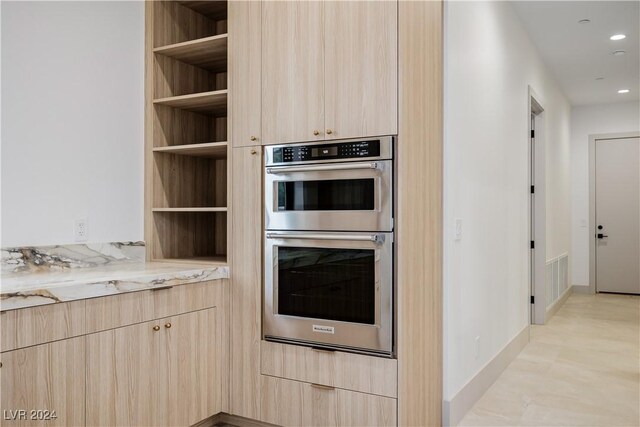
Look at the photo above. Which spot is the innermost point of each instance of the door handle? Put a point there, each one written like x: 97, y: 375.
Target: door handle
x: 601, y: 236
x: 320, y: 168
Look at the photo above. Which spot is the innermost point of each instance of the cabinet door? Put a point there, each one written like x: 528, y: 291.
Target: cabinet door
x: 361, y: 82
x: 193, y: 369
x: 245, y: 23
x: 44, y: 378
x: 123, y: 376
x: 361, y: 409
x: 292, y: 71
x: 295, y: 403
x: 246, y: 292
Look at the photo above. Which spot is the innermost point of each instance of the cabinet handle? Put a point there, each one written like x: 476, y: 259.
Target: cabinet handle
x: 253, y: 151
x: 167, y: 325
x: 156, y: 328
x: 322, y: 387
x: 329, y: 131
x: 253, y: 138
x: 316, y: 132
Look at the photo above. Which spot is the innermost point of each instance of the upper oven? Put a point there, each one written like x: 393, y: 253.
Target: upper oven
x: 331, y: 186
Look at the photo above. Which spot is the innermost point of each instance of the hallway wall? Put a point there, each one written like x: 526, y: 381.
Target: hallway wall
x: 585, y: 121
x: 490, y: 61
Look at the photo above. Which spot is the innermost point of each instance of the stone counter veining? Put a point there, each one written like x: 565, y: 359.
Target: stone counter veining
x: 47, y: 275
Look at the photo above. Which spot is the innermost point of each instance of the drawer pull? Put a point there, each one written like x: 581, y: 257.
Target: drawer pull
x: 156, y: 328
x: 323, y: 350
x: 167, y: 325
x: 161, y: 288
x: 322, y: 387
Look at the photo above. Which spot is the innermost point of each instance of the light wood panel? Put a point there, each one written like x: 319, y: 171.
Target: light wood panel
x: 361, y: 72
x: 123, y: 376
x: 246, y: 267
x: 174, y: 127
x: 211, y: 150
x: 45, y: 377
x: 292, y: 71
x: 136, y: 307
x: 360, y: 409
x: 350, y: 371
x: 294, y: 403
x: 213, y: 9
x: 419, y: 222
x: 213, y: 102
x: 193, y: 368
x: 209, y: 53
x: 41, y: 324
x: 245, y: 30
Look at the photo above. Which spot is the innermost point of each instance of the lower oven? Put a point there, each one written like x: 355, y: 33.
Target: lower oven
x: 331, y: 290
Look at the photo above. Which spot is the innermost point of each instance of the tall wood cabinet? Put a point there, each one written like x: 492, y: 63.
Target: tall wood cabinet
x: 329, y: 70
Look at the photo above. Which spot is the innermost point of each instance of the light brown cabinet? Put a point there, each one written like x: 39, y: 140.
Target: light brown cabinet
x: 246, y: 294
x: 292, y: 71
x: 45, y: 381
x: 295, y: 403
x: 329, y: 70
x: 245, y: 33
x: 166, y: 372
x: 361, y: 68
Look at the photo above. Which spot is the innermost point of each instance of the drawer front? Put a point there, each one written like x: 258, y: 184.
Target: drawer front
x: 136, y: 307
x: 295, y: 403
x: 357, y: 372
x: 41, y: 324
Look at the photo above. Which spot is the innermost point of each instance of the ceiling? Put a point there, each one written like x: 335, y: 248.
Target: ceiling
x: 579, y: 53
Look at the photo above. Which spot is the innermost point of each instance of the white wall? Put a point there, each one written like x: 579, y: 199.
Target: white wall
x: 490, y: 62
x: 585, y: 121
x: 72, y: 120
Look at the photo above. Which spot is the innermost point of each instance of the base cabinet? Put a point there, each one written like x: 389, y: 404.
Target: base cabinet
x: 296, y: 403
x: 44, y: 385
x: 167, y: 372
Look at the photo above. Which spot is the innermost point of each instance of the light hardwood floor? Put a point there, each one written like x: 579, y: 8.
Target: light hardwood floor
x: 581, y: 369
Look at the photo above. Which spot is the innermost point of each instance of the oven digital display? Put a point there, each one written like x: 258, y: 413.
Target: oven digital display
x: 344, y: 150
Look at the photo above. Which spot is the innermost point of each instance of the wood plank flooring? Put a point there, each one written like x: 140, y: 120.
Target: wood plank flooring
x: 581, y: 369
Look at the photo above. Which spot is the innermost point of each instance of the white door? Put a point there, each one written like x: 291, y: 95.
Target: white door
x: 618, y: 215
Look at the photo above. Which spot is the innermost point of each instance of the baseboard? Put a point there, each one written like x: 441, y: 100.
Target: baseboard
x: 581, y: 289
x: 454, y: 410
x: 551, y: 311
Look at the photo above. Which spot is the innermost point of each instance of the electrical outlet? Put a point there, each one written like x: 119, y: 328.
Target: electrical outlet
x: 80, y: 230
x: 477, y: 349
x: 457, y: 225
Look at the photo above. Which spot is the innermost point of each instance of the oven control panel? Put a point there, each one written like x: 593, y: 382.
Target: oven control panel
x: 331, y: 151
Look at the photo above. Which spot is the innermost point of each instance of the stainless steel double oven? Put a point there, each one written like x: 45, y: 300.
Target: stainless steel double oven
x: 329, y: 244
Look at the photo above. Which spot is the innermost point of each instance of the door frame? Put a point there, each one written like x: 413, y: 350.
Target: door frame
x: 536, y: 211
x: 592, y: 198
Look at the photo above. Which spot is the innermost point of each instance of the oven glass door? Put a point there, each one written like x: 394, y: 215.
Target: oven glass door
x: 327, y: 283
x: 330, y: 288
x: 333, y: 197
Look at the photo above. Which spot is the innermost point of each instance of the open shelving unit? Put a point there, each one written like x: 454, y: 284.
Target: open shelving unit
x: 186, y: 131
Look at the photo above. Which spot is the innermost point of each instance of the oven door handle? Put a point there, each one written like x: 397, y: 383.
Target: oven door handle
x: 322, y: 168
x: 375, y: 238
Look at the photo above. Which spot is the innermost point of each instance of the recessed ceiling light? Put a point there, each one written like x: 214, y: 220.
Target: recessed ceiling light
x: 599, y: 78
x: 618, y: 37
x: 623, y: 91
x: 619, y: 52
x: 584, y: 21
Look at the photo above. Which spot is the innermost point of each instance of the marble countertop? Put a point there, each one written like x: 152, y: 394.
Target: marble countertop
x: 47, y: 280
